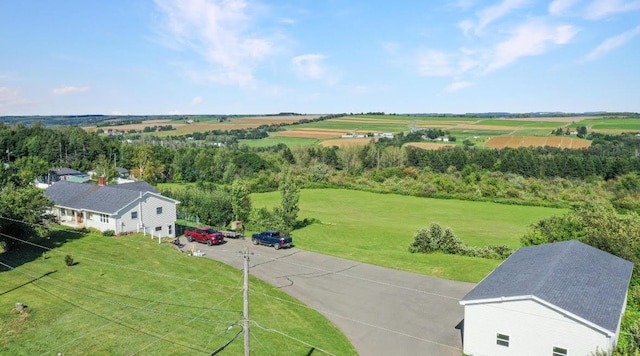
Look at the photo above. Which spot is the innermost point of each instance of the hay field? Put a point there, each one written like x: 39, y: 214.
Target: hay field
x: 526, y: 141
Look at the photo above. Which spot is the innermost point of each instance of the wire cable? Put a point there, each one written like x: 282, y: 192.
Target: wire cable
x: 290, y: 337
x: 113, y: 264
x: 110, y: 301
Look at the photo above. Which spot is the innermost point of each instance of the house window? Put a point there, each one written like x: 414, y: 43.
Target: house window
x: 502, y: 340
x: 159, y: 210
x: 158, y: 228
x: 134, y: 215
x: 559, y: 351
x: 169, y: 229
x: 104, y: 218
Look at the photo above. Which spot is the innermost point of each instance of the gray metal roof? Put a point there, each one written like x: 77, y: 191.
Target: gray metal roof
x: 104, y: 199
x: 571, y: 275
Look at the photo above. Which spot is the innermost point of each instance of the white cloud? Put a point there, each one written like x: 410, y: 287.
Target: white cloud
x: 612, y: 43
x: 465, y: 26
x: 11, y: 97
x: 197, y: 100
x: 310, y: 66
x: 560, y: 7
x: 458, y: 85
x: 603, y: 8
x: 492, y: 13
x: 530, y: 39
x: 69, y: 90
x: 221, y: 33
x: 435, y: 64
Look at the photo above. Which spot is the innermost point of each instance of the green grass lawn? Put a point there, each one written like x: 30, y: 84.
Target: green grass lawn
x: 133, y: 296
x: 378, y: 228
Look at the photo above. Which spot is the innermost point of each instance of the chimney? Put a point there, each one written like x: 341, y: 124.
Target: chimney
x: 102, y: 181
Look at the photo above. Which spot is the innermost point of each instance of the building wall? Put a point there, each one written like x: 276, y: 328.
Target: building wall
x: 94, y: 220
x: 532, y: 327
x: 147, y: 216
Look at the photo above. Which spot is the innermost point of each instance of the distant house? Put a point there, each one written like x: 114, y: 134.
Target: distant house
x: 123, y: 208
x: 564, y: 298
x: 66, y: 174
x: 122, y: 172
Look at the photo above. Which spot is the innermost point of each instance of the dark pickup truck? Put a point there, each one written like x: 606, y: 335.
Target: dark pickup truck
x: 204, y: 234
x: 271, y: 238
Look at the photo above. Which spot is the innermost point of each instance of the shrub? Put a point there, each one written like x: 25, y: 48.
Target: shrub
x: 434, y: 239
x: 108, y: 233
x: 68, y: 260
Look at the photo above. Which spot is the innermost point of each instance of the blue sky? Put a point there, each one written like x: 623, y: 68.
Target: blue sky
x: 139, y: 57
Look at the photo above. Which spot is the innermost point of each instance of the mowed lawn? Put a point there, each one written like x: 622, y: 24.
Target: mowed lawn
x: 133, y: 296
x: 378, y: 228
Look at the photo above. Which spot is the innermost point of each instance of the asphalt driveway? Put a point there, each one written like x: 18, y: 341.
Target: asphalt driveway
x: 382, y: 311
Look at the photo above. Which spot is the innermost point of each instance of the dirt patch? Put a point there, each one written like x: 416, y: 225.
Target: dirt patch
x: 344, y: 142
x: 429, y: 145
x: 526, y: 141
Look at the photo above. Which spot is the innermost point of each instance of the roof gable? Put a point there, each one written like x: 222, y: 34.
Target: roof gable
x: 107, y: 199
x: 587, y: 282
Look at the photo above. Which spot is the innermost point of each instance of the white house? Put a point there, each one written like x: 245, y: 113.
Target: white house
x: 123, y: 208
x: 563, y: 298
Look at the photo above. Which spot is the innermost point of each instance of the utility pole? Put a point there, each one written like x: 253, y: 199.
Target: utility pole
x: 246, y: 302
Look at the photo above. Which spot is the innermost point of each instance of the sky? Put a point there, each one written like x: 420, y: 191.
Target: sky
x: 181, y: 57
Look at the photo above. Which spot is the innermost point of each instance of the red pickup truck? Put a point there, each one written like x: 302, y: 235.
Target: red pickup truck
x: 204, y: 234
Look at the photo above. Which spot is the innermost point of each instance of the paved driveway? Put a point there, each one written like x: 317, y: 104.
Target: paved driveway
x: 382, y: 311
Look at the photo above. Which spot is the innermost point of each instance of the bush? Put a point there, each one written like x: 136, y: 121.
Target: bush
x: 108, y: 233
x: 68, y: 260
x: 434, y: 239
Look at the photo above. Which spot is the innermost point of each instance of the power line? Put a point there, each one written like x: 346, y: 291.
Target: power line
x: 220, y: 303
x: 110, y: 301
x: 358, y: 278
x: 291, y: 337
x: 111, y: 321
x: 357, y: 321
x: 114, y: 264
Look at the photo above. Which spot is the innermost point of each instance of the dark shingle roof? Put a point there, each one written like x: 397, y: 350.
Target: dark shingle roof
x: 122, y: 170
x: 65, y: 171
x: 571, y: 275
x: 105, y: 199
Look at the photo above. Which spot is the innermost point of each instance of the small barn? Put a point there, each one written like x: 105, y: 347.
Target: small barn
x: 563, y: 298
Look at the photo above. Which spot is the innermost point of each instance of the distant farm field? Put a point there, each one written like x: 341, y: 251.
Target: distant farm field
x: 526, y: 141
x: 343, y: 142
x: 617, y: 124
x: 310, y: 133
x: 182, y: 127
x: 430, y: 145
x: 276, y: 140
x: 378, y: 228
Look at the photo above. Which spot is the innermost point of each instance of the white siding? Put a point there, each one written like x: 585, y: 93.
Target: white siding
x: 533, y: 329
x: 94, y: 220
x: 146, y: 215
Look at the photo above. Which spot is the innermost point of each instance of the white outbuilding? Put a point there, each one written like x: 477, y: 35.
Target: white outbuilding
x: 563, y: 298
